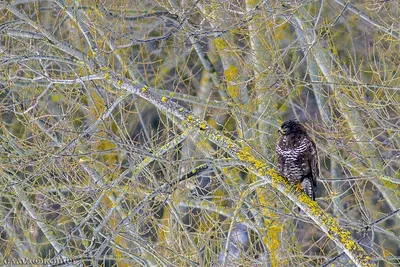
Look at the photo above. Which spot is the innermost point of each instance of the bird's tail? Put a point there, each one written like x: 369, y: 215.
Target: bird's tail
x: 308, y: 188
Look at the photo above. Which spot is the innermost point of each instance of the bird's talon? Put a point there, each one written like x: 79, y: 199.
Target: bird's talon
x: 298, y: 187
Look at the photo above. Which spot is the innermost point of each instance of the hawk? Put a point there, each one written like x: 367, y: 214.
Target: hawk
x: 297, y: 157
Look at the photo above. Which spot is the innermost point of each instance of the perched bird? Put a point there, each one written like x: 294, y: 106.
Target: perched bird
x: 297, y: 157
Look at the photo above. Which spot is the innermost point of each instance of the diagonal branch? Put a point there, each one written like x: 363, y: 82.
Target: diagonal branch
x: 327, y: 224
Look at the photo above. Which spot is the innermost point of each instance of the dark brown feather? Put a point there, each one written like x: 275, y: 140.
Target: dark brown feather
x: 297, y: 157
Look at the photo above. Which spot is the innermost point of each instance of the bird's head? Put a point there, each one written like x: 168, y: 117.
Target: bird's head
x: 290, y: 127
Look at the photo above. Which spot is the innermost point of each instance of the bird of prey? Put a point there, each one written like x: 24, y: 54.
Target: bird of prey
x: 297, y: 157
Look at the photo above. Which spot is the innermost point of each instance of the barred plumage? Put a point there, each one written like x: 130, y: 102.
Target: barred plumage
x: 297, y: 157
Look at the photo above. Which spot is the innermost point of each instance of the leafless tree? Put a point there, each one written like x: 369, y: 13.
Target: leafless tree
x: 142, y: 133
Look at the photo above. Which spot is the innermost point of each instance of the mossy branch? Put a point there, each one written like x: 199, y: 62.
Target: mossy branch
x: 326, y: 223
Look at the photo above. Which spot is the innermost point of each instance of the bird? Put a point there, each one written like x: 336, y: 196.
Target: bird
x: 297, y: 157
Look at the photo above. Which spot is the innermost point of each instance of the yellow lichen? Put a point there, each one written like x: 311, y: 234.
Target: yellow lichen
x: 219, y: 43
x: 243, y: 155
x: 163, y: 99
x: 189, y: 118
x: 233, y: 91
x: 251, y: 3
x: 144, y: 89
x: 230, y: 73
x: 203, y: 126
